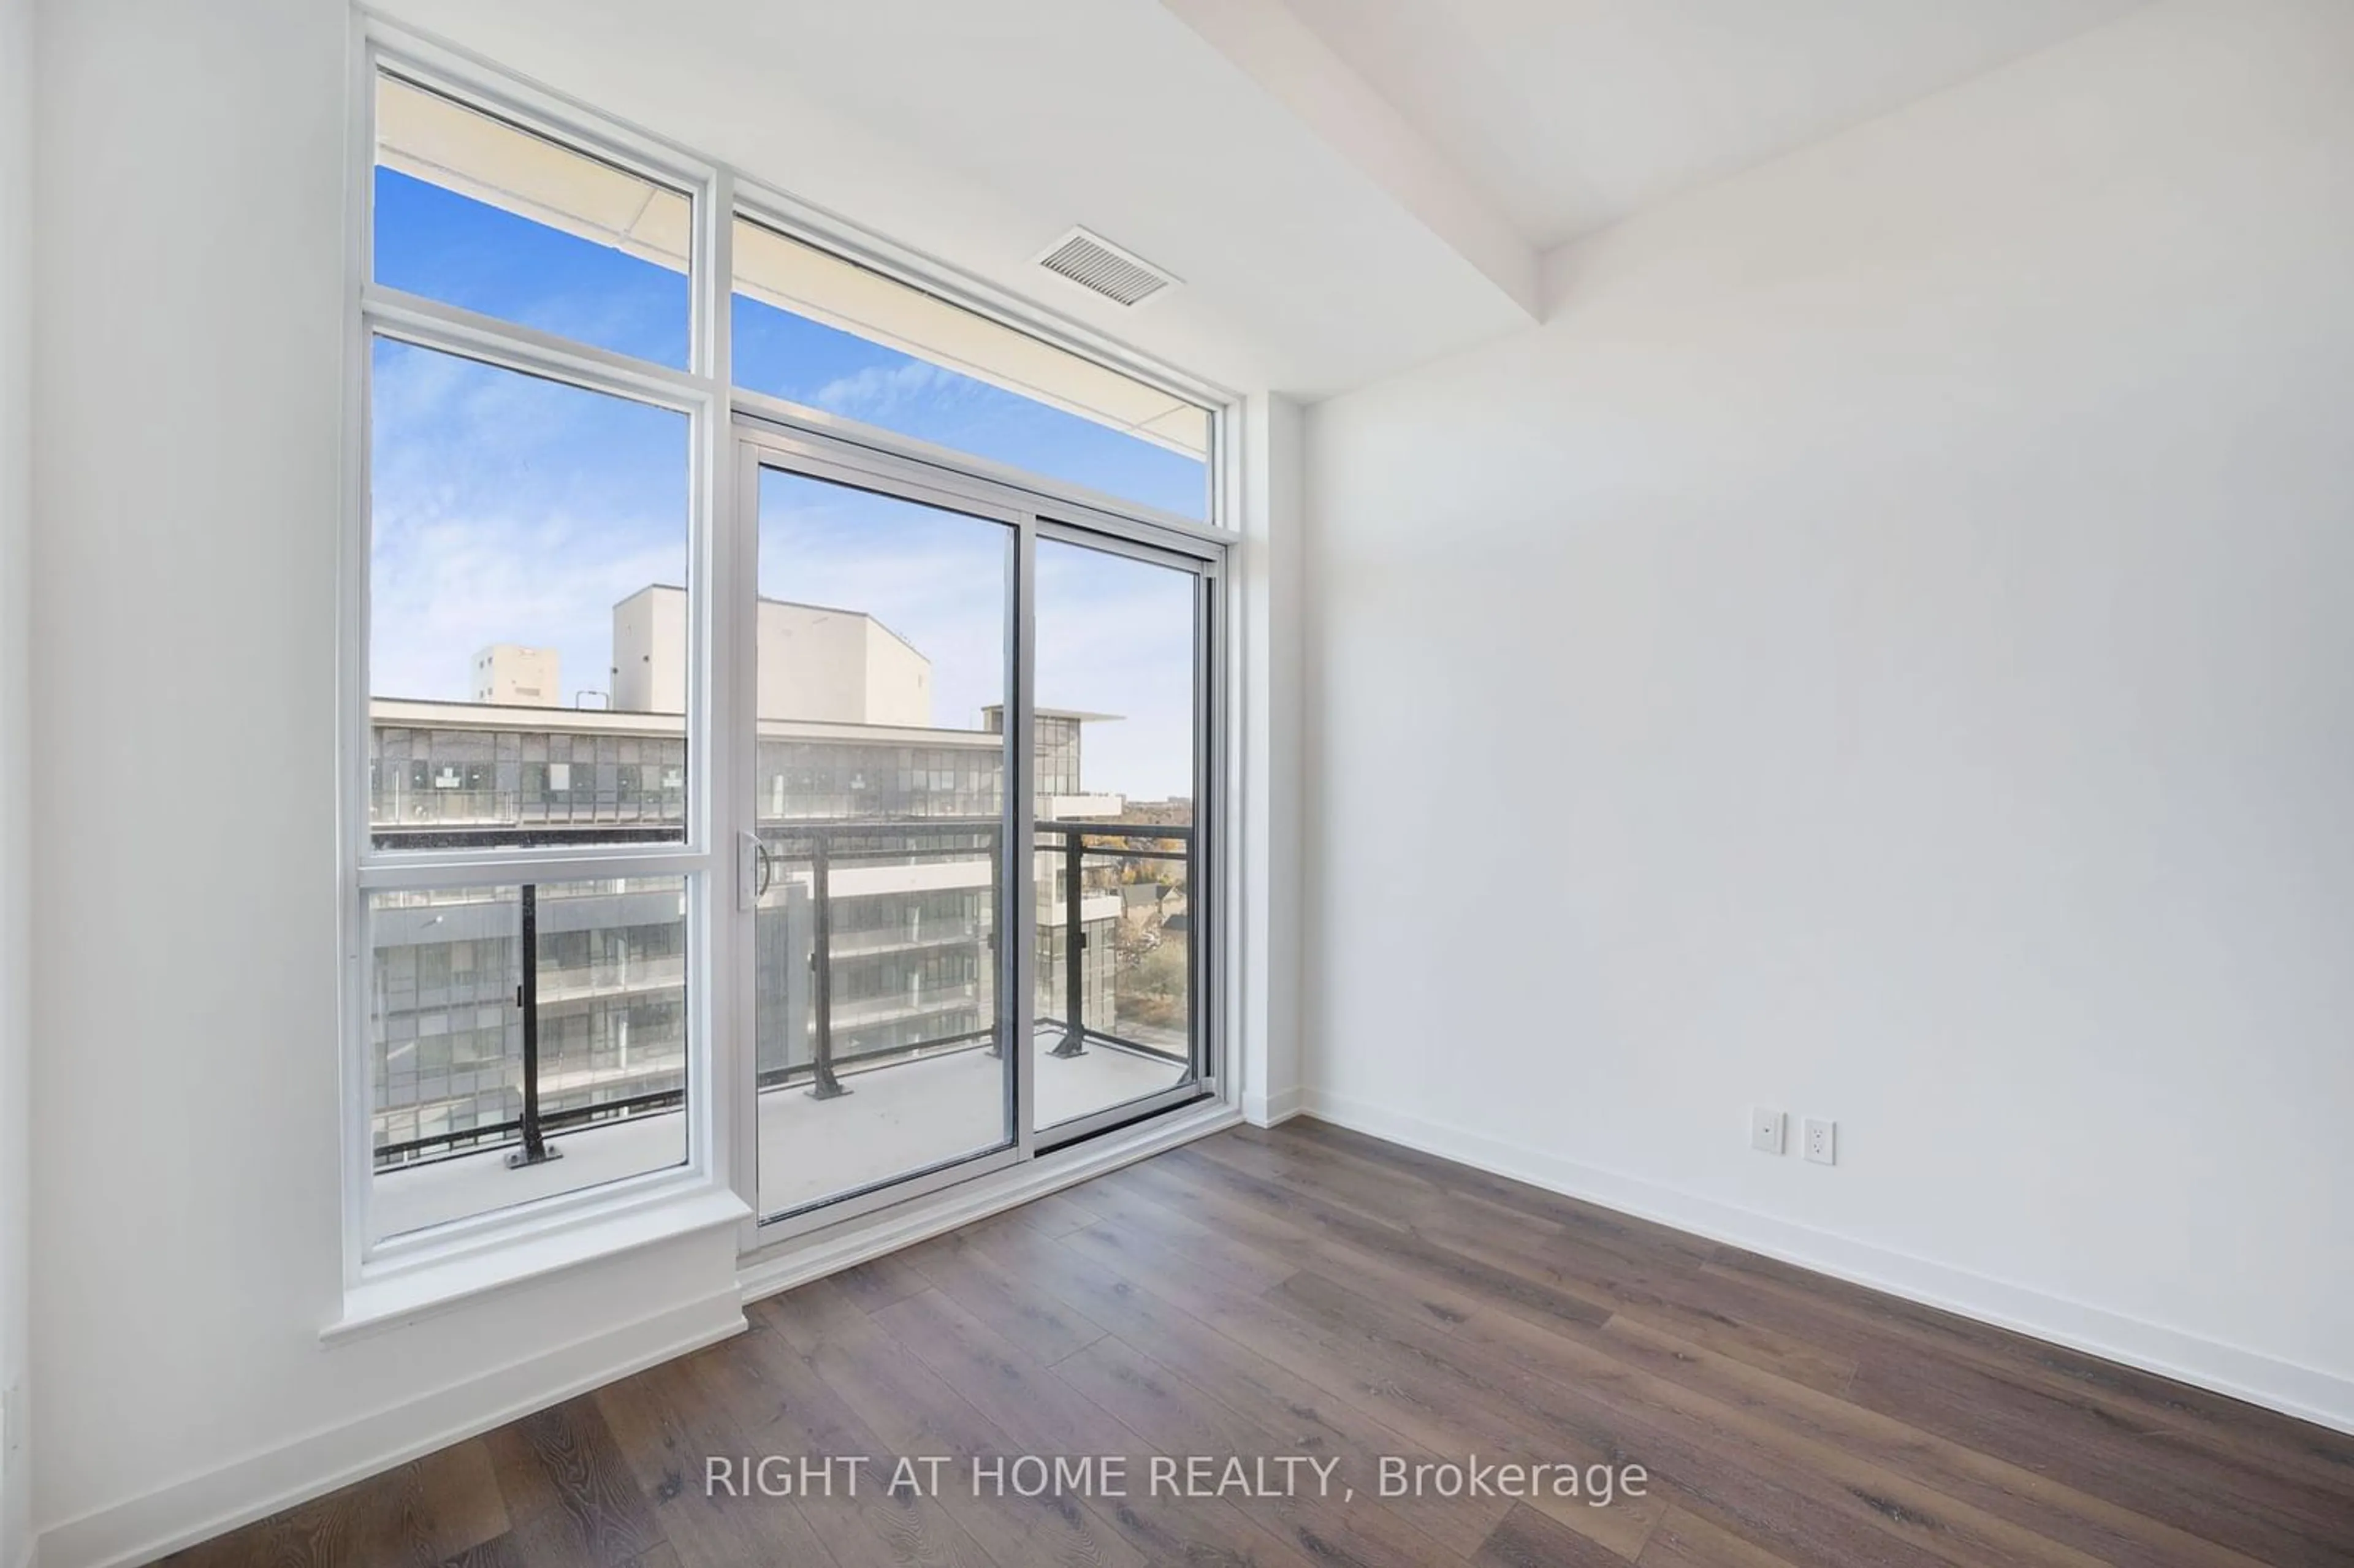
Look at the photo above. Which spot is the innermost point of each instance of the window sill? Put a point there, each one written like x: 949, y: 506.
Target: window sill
x: 403, y: 1297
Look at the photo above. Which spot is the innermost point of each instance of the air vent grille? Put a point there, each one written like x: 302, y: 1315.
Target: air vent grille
x: 1094, y: 262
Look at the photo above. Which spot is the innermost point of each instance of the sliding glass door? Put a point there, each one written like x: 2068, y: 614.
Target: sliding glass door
x: 1119, y: 742
x: 883, y: 653
x: 972, y: 864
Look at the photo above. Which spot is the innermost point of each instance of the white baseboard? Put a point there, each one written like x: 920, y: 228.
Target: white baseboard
x: 145, y: 1528
x: 1266, y: 1110
x: 237, y: 1493
x: 2305, y: 1393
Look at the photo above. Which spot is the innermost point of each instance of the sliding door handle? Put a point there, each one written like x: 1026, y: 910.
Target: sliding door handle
x: 753, y: 869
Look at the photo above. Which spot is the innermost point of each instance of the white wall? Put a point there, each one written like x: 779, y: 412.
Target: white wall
x: 1884, y: 649
x: 1268, y: 734
x: 189, y: 262
x: 16, y: 727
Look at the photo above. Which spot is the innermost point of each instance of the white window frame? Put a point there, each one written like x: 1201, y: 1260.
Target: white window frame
x: 470, y: 1254
x: 401, y: 1276
x: 816, y: 447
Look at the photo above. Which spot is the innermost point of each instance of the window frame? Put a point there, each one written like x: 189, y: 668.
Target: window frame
x: 1207, y: 967
x: 378, y: 311
x: 912, y: 472
x: 424, y: 1267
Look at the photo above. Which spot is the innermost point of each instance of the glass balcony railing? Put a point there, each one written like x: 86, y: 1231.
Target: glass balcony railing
x: 1134, y: 990
x: 877, y: 945
x: 502, y: 1014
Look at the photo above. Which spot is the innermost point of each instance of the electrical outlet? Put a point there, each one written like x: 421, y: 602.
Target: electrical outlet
x: 1822, y: 1140
x: 1765, y: 1129
x: 12, y: 1419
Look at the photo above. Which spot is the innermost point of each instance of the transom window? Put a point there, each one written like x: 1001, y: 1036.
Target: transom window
x: 816, y: 329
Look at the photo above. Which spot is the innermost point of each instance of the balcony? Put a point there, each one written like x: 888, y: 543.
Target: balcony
x: 875, y: 1027
x: 922, y: 1104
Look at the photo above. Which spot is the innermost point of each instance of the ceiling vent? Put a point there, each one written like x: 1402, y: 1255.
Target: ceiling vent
x: 1096, y: 264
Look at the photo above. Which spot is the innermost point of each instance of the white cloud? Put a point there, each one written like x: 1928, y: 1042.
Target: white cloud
x: 877, y: 392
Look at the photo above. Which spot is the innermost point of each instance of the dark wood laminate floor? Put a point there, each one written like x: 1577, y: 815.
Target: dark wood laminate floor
x: 1309, y: 1291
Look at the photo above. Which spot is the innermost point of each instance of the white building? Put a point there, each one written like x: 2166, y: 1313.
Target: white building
x: 514, y: 676
x: 838, y: 666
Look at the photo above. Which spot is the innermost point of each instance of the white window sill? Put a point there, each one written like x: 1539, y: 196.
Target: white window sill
x: 406, y: 1295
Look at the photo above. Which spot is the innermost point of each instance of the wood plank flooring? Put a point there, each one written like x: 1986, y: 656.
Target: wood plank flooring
x: 1311, y: 1292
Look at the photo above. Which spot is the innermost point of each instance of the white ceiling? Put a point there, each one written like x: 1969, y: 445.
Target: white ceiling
x: 1345, y: 187
x: 977, y: 131
x: 1571, y: 114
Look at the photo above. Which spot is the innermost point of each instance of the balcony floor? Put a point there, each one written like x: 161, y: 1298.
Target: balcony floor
x: 907, y: 1115
x: 901, y: 1115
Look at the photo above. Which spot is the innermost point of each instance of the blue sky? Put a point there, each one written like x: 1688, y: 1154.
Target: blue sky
x: 510, y: 509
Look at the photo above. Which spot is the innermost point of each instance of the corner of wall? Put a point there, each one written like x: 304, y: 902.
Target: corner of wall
x: 1269, y: 1111
x: 1813, y: 663
x: 15, y: 687
x: 1267, y: 601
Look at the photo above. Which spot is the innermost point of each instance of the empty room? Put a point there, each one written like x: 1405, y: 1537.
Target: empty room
x: 1101, y: 783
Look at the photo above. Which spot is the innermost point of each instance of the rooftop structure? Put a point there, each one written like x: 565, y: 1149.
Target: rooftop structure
x: 816, y: 661
x: 511, y: 675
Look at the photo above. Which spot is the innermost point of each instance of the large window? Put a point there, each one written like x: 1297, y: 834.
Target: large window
x: 529, y: 984
x: 709, y: 575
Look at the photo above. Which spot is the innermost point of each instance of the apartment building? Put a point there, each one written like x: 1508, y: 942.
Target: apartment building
x: 848, y: 765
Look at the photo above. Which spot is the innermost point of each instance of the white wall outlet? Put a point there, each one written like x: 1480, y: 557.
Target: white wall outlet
x: 1765, y: 1129
x: 1822, y: 1140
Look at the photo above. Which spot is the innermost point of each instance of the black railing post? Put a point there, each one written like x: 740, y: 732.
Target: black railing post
x: 826, y: 1086
x: 535, y: 1148
x: 1075, y: 941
